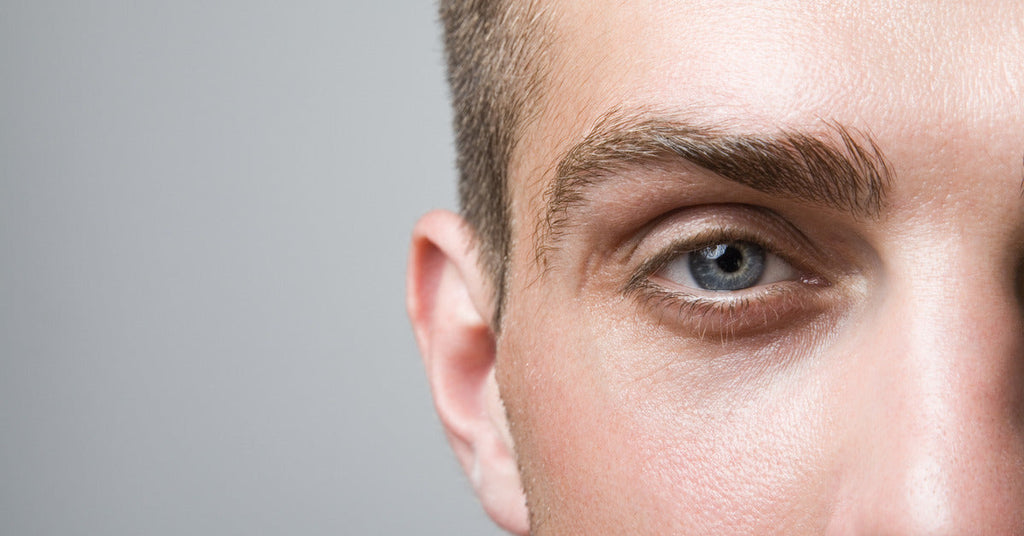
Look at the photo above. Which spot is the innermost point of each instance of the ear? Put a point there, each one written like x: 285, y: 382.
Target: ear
x: 450, y: 305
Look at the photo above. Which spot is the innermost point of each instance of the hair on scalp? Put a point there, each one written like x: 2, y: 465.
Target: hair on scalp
x: 496, y: 59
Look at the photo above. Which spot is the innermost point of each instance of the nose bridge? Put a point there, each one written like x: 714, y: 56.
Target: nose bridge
x: 962, y: 386
x: 946, y: 452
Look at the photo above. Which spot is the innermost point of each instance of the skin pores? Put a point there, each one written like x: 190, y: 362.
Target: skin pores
x: 883, y: 396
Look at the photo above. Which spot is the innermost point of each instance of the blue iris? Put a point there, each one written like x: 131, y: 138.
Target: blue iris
x: 728, y: 266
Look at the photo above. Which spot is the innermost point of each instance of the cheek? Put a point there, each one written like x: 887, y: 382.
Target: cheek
x: 570, y: 432
x: 616, y: 429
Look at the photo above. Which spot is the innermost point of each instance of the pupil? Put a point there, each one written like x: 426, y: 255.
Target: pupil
x: 731, y: 260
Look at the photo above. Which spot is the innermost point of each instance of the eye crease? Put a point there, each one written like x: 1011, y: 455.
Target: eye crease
x: 727, y: 266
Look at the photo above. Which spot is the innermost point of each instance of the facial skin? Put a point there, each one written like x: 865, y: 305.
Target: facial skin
x: 872, y: 382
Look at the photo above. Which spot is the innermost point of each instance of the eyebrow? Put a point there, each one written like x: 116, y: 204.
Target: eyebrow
x: 837, y: 167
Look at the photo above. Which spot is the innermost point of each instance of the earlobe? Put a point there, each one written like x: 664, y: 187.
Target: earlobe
x: 449, y: 303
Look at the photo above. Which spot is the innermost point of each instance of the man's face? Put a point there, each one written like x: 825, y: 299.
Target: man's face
x: 747, y: 353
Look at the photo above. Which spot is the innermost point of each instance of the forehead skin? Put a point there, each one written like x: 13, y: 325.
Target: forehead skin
x: 951, y: 66
x: 607, y: 436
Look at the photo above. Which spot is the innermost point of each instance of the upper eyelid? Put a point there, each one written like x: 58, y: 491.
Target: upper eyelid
x: 692, y: 227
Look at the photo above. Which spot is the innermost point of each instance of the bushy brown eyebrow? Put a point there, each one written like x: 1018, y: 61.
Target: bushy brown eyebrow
x: 838, y: 167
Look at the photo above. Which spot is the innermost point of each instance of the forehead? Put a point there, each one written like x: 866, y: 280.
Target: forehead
x: 920, y: 73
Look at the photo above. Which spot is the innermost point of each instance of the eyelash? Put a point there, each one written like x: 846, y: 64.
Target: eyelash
x: 731, y: 312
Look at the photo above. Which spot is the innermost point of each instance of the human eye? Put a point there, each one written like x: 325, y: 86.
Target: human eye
x: 742, y: 273
x: 727, y: 266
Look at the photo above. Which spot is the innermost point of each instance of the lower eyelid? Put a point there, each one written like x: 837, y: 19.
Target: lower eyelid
x: 734, y: 314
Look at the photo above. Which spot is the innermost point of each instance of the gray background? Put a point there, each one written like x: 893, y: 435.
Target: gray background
x: 204, y: 214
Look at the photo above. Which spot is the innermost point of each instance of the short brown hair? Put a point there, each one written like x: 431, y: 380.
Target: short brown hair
x: 495, y: 56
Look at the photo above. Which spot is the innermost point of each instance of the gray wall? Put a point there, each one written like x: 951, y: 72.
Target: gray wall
x: 204, y: 214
